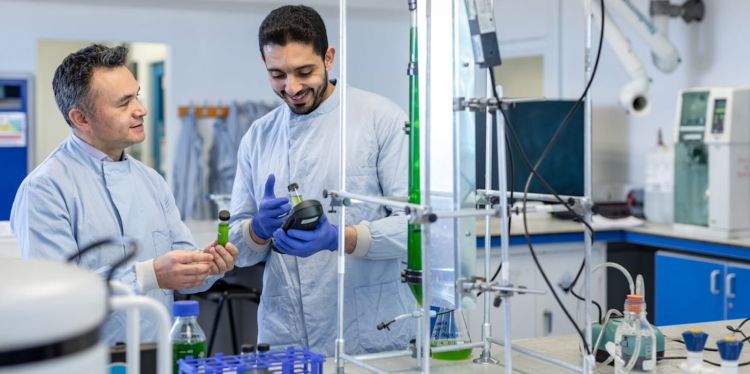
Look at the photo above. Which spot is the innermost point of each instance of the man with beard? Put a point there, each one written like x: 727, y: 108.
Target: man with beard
x: 299, y: 143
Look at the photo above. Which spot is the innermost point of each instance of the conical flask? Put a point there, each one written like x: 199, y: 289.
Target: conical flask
x: 450, y: 329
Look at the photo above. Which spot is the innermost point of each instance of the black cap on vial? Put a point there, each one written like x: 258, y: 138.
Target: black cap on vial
x: 263, y: 347
x: 247, y: 348
x: 292, y: 187
x: 224, y: 215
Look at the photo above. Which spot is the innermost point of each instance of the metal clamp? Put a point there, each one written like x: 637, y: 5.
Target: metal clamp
x: 481, y: 104
x: 420, y: 216
x: 411, y: 276
x: 335, y: 200
x: 474, y: 283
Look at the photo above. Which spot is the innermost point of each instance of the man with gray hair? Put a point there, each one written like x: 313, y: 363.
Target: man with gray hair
x: 89, y: 189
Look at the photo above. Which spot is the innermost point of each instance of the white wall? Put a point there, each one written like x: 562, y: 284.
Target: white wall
x: 212, y: 55
x: 712, y: 51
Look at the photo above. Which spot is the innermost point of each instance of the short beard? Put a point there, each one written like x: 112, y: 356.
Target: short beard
x: 317, y: 99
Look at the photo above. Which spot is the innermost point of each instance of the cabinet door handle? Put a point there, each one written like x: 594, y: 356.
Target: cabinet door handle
x: 547, y: 315
x: 714, y: 278
x: 728, y: 285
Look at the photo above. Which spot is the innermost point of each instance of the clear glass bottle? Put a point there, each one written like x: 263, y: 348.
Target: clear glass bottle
x: 635, y: 340
x: 186, y: 335
x: 223, y: 236
x: 450, y: 329
x: 294, y: 195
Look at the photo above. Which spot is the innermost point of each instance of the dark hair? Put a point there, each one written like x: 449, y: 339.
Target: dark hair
x: 292, y: 23
x: 72, y: 80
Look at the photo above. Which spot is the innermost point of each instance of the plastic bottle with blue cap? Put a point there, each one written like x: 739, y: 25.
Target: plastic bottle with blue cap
x: 186, y: 335
x: 729, y: 350
x: 695, y: 341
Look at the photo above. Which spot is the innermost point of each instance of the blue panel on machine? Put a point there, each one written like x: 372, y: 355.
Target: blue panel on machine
x: 14, y: 139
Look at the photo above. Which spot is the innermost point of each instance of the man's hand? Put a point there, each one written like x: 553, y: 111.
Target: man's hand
x: 271, y: 214
x: 178, y: 270
x: 306, y: 243
x: 224, y: 257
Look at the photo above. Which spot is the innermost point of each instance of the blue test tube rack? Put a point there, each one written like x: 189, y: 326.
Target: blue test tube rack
x: 289, y: 361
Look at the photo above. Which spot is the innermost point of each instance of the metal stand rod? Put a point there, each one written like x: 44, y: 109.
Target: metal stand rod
x: 588, y: 359
x: 486, y: 356
x: 539, y: 356
x: 361, y: 364
x: 339, y: 351
x: 504, y: 240
x: 377, y: 200
x: 132, y: 351
x: 530, y: 196
x: 424, y: 16
x: 466, y: 213
x: 383, y: 355
x: 456, y: 347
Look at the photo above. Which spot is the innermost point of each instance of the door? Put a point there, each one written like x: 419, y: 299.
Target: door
x: 688, y: 289
x: 157, y: 110
x: 737, y: 290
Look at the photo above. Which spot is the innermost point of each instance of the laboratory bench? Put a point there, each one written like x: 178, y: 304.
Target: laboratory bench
x: 563, y: 348
x: 689, y: 278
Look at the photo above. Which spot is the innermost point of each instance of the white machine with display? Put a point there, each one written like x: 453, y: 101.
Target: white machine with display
x: 52, y: 313
x: 712, y: 162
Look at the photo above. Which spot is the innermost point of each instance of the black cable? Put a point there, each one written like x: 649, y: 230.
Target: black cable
x: 534, y: 173
x: 387, y: 325
x: 113, y: 240
x: 598, y: 307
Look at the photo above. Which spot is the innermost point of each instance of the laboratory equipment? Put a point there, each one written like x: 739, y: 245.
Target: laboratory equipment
x: 288, y: 361
x: 52, y: 313
x: 635, y: 341
x: 186, y: 335
x: 695, y: 341
x: 305, y: 216
x: 16, y: 135
x: 294, y: 195
x: 659, y: 186
x: 535, y: 122
x: 608, y: 336
x: 729, y: 350
x: 712, y: 162
x: 450, y: 329
x: 413, y: 272
x: 223, y: 237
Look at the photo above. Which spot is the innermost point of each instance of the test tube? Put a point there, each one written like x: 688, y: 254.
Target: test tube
x: 223, y: 228
x: 294, y: 195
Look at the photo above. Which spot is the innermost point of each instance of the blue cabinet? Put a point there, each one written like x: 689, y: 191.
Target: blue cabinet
x: 737, y: 285
x: 691, y: 289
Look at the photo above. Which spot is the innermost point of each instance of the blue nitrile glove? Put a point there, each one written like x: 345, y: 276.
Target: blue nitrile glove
x: 303, y: 243
x: 272, y: 212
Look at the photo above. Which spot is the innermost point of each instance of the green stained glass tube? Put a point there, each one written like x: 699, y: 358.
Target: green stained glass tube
x: 414, y: 236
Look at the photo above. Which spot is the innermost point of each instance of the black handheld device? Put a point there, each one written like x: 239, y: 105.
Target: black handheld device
x: 304, y: 216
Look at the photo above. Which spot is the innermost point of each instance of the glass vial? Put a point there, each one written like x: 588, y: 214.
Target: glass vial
x: 223, y: 228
